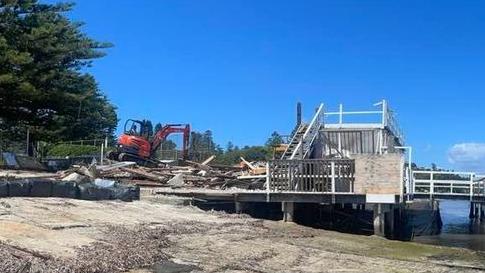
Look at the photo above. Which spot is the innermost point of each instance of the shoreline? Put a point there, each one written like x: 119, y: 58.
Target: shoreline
x: 138, y: 235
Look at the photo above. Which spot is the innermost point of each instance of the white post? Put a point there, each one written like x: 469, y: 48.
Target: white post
x: 106, y: 142
x: 380, y: 141
x: 339, y: 142
x: 102, y: 154
x: 267, y: 177
x: 340, y: 121
x: 332, y: 165
x: 431, y: 185
x: 341, y: 114
x: 471, y: 187
x: 409, y: 171
x: 410, y: 166
x: 414, y: 185
x: 384, y: 113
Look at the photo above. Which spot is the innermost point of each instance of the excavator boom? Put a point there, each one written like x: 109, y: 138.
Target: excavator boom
x: 168, y: 129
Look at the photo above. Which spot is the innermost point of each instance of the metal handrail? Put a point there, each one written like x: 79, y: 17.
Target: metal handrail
x: 388, y: 119
x: 313, y: 128
x: 468, y: 183
x: 297, y: 129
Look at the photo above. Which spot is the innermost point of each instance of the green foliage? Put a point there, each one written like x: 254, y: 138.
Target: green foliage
x: 147, y: 128
x: 73, y: 150
x: 202, y: 145
x: 274, y: 140
x: 250, y: 153
x: 42, y: 83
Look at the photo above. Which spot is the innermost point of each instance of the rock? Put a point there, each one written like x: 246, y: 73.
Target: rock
x: 177, y: 181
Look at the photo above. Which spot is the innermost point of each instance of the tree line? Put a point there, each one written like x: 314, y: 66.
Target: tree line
x: 44, y: 86
x: 45, y: 89
x: 202, y: 145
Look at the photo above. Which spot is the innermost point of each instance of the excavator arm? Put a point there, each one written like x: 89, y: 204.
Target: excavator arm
x: 169, y: 129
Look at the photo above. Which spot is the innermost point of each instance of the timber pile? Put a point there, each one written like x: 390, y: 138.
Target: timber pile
x: 193, y: 174
x: 246, y: 175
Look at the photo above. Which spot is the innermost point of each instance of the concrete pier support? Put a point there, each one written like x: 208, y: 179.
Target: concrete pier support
x: 379, y: 220
x: 384, y: 220
x: 475, y: 210
x: 288, y: 209
x: 482, y: 211
x: 471, y: 214
x: 389, y: 220
x: 239, y: 207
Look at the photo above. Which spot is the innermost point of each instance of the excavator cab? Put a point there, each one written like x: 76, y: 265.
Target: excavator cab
x: 133, y: 127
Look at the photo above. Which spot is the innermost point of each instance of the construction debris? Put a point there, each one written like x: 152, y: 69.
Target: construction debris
x: 257, y: 168
x: 91, y: 180
x: 193, y: 174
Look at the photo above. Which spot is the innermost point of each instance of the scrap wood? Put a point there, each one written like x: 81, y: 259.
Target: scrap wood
x: 226, y: 167
x: 169, y: 168
x: 143, y: 183
x: 208, y: 169
x: 199, y: 165
x: 208, y: 160
x: 251, y: 176
x: 145, y: 174
x: 244, y: 162
x: 117, y: 165
x: 253, y: 169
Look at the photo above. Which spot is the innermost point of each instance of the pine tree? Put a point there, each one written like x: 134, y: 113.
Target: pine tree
x: 42, y: 84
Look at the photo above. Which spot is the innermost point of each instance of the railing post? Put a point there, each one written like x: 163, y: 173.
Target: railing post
x: 267, y: 182
x: 384, y: 113
x: 341, y: 114
x: 332, y: 166
x: 471, y: 187
x: 431, y: 185
x: 414, y: 184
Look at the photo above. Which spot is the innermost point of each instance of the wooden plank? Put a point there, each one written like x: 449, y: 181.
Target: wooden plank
x: 145, y: 174
x: 208, y: 160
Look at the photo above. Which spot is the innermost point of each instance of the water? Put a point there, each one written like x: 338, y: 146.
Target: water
x: 458, y: 230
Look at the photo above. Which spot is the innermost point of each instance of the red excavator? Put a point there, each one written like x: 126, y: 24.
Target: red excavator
x: 135, y: 143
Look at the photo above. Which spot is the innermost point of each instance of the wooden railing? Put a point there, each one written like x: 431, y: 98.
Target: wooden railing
x: 311, y: 175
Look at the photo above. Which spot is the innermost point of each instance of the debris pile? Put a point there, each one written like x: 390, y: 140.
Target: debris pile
x: 247, y: 175
x: 120, y: 180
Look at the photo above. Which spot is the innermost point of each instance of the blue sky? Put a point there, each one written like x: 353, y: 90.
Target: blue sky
x: 239, y: 67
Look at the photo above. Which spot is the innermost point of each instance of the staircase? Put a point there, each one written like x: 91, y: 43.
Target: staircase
x: 302, y: 141
x: 300, y: 131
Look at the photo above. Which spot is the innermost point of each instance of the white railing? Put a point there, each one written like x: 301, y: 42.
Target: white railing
x: 304, y: 146
x: 383, y: 118
x: 441, y: 183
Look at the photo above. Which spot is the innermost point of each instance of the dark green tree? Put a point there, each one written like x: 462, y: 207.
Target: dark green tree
x: 147, y: 128
x: 229, y: 147
x: 43, y: 84
x: 274, y: 140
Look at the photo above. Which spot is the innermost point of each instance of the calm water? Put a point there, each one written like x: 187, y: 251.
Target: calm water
x: 458, y: 229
